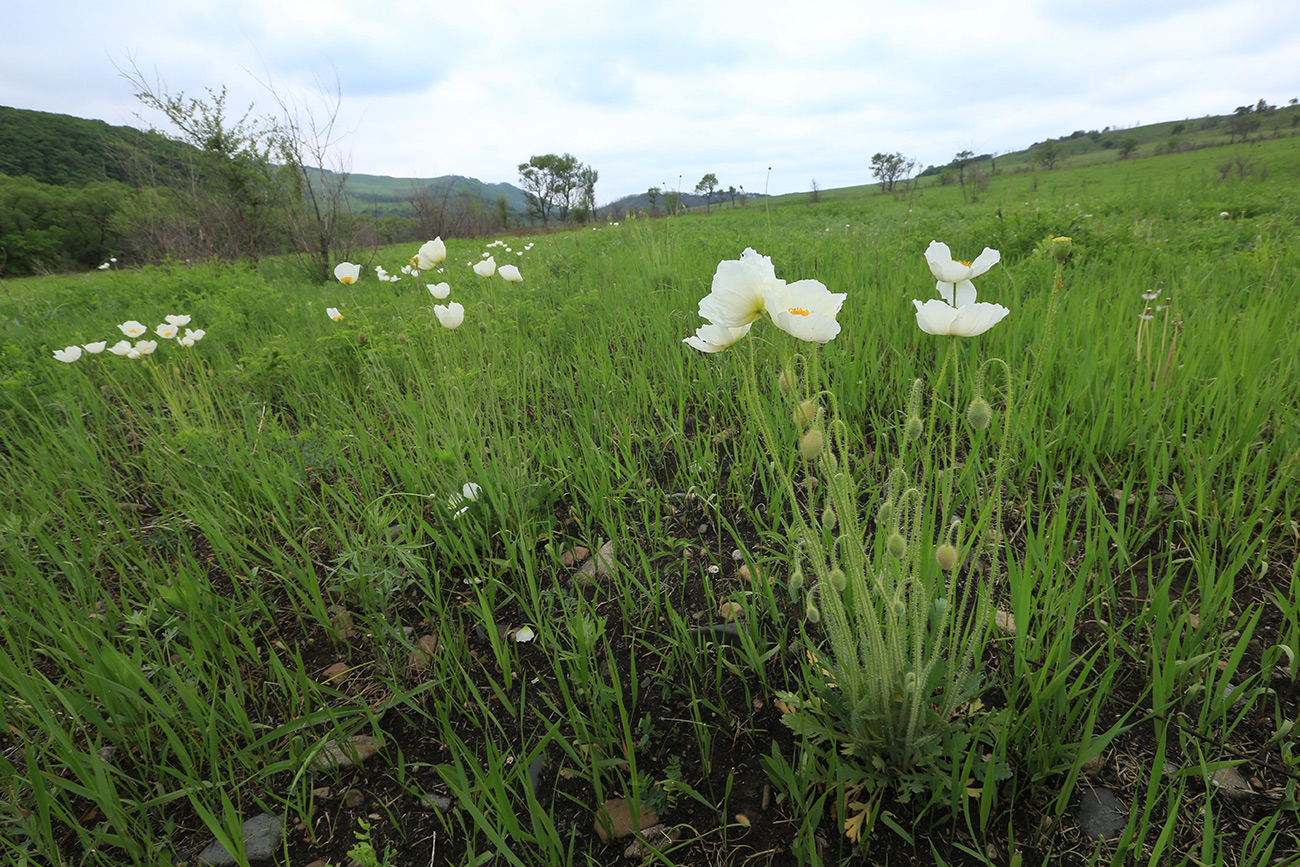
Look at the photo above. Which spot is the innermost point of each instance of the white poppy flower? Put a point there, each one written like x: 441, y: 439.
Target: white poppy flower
x: 948, y: 270
x: 122, y: 347
x: 460, y: 502
x: 451, y: 315
x: 177, y: 320
x: 939, y: 317
x: 737, y: 296
x: 166, y: 331
x: 438, y: 290
x: 333, y: 313
x: 715, y: 338
x: 95, y: 348
x: 805, y: 309
x: 105, y: 266
x: 511, y: 273
x: 131, y: 328
x: 431, y: 253
x: 145, y: 347
x: 344, y: 272
x: 485, y: 268
x: 68, y: 355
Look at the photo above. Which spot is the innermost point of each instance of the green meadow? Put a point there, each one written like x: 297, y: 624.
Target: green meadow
x: 243, y: 578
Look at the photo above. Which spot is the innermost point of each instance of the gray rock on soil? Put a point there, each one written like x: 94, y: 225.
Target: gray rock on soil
x: 262, y: 837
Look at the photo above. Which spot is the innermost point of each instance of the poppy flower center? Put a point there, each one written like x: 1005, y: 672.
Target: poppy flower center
x: 799, y: 311
x: 962, y: 262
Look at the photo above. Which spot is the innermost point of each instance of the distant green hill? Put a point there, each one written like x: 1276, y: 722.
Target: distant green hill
x: 61, y: 150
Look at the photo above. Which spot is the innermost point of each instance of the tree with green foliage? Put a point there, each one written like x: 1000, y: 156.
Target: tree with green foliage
x: 555, y: 183
x: 889, y: 168
x: 705, y: 188
x: 1048, y: 154
x: 1127, y: 146
x: 652, y: 196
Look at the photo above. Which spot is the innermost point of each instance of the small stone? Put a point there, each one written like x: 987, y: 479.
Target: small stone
x: 1101, y: 816
x: 341, y: 620
x: 347, y: 754
x: 729, y: 611
x: 1092, y: 766
x: 319, y: 862
x: 262, y: 835
x: 600, y: 567
x: 323, y: 793
x: 749, y: 573
x: 422, y: 655
x: 657, y: 836
x: 1230, y: 782
x: 335, y: 672
x: 433, y: 801
x: 353, y: 799
x: 574, y: 555
x: 614, y: 819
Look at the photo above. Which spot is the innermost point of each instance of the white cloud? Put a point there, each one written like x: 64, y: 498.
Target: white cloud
x: 647, y: 91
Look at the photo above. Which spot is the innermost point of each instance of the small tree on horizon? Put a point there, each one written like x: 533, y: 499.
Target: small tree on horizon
x: 705, y: 187
x: 889, y: 168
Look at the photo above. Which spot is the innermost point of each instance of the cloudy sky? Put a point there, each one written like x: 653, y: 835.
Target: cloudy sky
x: 659, y: 92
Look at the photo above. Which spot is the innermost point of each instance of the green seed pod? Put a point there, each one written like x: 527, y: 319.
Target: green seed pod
x: 828, y: 518
x: 946, y: 556
x: 914, y: 429
x: 979, y: 413
x: 896, y: 546
x: 1061, y: 248
x: 839, y: 580
x: 811, y: 443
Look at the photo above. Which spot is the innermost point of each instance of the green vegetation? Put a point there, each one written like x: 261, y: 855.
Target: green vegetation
x: 216, y: 561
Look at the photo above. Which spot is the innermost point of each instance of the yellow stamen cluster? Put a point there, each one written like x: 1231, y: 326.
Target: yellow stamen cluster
x: 799, y: 311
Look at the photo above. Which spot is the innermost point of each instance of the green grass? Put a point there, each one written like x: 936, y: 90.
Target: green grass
x: 180, y: 534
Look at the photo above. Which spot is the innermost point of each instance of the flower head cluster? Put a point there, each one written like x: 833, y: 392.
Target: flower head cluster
x: 958, y: 313
x: 169, y: 329
x: 746, y: 288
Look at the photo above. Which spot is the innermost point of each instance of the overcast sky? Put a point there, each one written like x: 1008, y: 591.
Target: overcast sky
x: 652, y: 91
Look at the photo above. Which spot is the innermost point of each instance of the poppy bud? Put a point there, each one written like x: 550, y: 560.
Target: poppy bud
x: 805, y: 412
x: 811, y: 443
x: 914, y: 429
x: 896, y: 546
x: 813, y: 615
x: 946, y: 556
x: 839, y: 580
x: 885, y: 513
x: 796, y: 581
x: 828, y: 518
x: 979, y: 413
x: 786, y: 381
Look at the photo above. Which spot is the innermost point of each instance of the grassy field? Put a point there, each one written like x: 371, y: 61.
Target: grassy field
x: 218, y: 563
